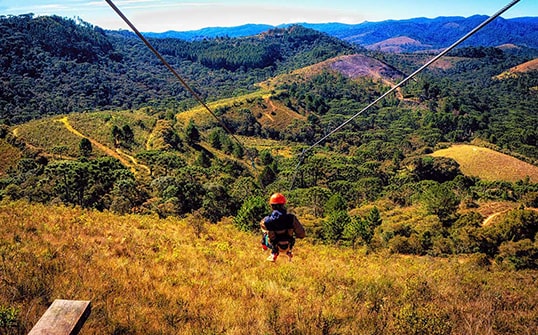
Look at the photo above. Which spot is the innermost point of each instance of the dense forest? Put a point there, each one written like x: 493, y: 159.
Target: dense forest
x: 53, y: 66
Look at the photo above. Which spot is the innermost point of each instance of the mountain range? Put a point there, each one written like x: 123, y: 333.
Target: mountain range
x: 417, y: 34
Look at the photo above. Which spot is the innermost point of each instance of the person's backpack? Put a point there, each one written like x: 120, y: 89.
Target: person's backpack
x: 282, y: 226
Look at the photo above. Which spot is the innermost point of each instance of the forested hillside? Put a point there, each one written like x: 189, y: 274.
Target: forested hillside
x: 408, y: 35
x: 51, y: 65
x: 131, y: 140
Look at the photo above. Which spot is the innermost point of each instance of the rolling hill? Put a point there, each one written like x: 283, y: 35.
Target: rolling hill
x: 517, y: 70
x: 488, y: 164
x: 400, y: 35
x: 146, y: 275
x: 117, y: 188
x: 276, y: 92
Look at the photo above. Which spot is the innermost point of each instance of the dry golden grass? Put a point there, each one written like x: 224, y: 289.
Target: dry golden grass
x: 516, y: 71
x: 48, y: 134
x: 201, y: 116
x: 277, y: 148
x: 488, y: 164
x: 269, y: 113
x: 9, y: 155
x: 98, y: 126
x: 150, y: 276
x: 67, y: 131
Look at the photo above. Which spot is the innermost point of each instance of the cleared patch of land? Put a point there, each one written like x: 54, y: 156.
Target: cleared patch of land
x: 489, y: 164
x: 517, y: 70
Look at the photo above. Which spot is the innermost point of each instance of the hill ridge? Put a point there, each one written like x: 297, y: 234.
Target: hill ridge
x: 373, y: 34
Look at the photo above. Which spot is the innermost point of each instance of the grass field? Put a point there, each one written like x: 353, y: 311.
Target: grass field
x: 9, y: 155
x: 183, y: 276
x: 488, y: 164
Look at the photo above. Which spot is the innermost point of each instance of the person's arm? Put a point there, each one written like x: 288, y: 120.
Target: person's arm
x: 262, y: 226
x: 298, y: 228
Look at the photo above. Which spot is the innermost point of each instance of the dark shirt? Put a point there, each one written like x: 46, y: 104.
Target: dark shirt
x: 280, y: 222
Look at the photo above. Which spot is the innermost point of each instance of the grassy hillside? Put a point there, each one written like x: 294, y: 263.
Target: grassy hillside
x: 488, y: 164
x: 516, y: 71
x: 9, y: 156
x: 150, y: 276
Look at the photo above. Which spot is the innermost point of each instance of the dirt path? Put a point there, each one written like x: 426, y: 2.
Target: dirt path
x: 124, y: 158
x: 488, y: 220
x: 273, y: 108
x: 492, y: 216
x: 134, y: 161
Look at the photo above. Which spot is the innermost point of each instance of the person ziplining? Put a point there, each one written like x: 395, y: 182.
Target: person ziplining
x: 280, y: 229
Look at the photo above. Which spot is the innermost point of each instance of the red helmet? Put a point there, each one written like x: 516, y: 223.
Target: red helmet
x: 277, y: 199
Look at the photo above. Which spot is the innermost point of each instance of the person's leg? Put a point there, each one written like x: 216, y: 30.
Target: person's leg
x: 274, y: 250
x: 265, y: 242
x: 290, y: 252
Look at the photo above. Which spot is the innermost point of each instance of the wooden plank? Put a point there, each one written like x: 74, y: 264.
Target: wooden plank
x: 63, y: 317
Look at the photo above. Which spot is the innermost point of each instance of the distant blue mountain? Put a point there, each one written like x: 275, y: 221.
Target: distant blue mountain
x: 213, y: 32
x: 424, y: 33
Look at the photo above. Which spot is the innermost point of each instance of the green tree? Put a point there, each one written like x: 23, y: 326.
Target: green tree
x: 85, y: 147
x: 217, y: 202
x: 250, y: 213
x: 267, y: 176
x: 374, y: 218
x: 192, y: 133
x: 265, y: 157
x: 333, y: 227
x: 440, y: 200
x: 354, y: 230
x: 335, y: 203
x: 127, y: 134
x: 203, y: 159
x: 116, y: 135
x: 215, y: 138
x: 238, y: 150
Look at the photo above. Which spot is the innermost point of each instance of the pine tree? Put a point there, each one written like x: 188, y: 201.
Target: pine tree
x: 192, y: 133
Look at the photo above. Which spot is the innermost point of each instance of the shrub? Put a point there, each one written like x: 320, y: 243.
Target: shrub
x: 517, y: 225
x: 427, y: 320
x: 334, y: 226
x: 335, y: 203
x: 8, y: 318
x: 250, y: 213
x: 518, y: 255
x: 405, y: 245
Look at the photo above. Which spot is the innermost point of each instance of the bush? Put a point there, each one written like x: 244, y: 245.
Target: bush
x: 517, y: 225
x: 335, y: 203
x: 405, y: 245
x: 427, y: 320
x: 530, y: 199
x: 334, y: 226
x: 8, y: 318
x: 250, y: 213
x: 518, y: 255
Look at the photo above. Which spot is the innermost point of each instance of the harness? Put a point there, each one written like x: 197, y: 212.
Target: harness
x: 281, y: 224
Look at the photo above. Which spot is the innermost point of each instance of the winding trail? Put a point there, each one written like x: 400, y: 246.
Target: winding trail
x: 124, y: 158
x: 492, y: 216
x: 488, y: 220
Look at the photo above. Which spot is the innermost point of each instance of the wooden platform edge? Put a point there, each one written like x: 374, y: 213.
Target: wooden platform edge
x: 63, y: 317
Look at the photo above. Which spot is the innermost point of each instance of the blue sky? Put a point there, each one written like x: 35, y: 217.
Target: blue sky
x: 163, y: 15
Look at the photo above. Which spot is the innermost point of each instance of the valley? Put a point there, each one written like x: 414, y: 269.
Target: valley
x: 116, y: 187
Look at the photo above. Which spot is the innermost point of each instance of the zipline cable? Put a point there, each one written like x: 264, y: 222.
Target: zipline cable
x: 472, y: 32
x: 441, y: 54
x: 176, y: 74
